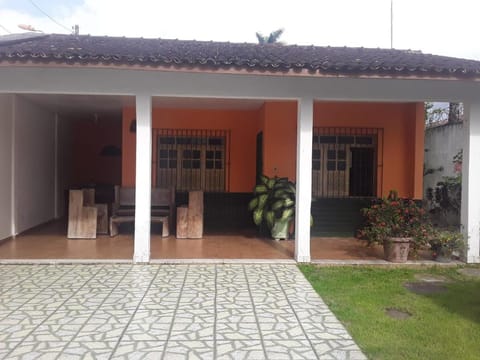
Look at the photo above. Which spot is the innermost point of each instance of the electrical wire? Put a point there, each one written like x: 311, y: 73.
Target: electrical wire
x: 48, y: 16
x: 4, y: 28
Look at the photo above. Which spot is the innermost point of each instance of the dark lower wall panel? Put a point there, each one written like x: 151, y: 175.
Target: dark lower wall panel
x: 337, y: 217
x: 227, y: 212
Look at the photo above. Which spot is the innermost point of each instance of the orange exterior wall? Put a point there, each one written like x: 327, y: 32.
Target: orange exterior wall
x: 403, y: 139
x: 403, y: 150
x: 279, y: 126
x: 88, y: 139
x: 243, y: 126
x: 402, y: 142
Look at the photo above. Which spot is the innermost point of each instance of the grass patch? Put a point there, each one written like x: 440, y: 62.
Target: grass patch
x: 442, y: 326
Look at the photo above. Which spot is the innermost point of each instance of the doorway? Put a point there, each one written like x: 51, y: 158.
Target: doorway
x: 362, y: 171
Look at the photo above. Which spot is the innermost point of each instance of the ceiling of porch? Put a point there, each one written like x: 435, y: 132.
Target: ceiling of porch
x: 111, y: 105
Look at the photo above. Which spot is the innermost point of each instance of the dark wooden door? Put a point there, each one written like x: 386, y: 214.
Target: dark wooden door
x: 362, y: 172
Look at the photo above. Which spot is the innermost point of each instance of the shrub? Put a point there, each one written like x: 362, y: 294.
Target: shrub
x: 395, y: 217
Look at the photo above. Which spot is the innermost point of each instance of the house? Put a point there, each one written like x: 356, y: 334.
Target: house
x: 344, y: 123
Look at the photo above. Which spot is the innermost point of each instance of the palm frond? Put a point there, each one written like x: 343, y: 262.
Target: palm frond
x: 261, y: 38
x: 274, y: 36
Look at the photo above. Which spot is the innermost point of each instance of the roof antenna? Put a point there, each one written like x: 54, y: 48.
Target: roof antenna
x: 28, y: 28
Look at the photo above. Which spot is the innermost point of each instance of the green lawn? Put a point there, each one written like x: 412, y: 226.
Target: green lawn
x: 442, y: 326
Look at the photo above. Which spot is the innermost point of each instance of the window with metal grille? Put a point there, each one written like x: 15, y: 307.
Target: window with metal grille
x: 345, y: 161
x: 192, y: 159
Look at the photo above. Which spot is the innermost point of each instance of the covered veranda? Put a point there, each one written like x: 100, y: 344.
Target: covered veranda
x: 85, y: 116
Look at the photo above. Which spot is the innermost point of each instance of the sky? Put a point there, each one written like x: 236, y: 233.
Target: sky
x: 443, y: 27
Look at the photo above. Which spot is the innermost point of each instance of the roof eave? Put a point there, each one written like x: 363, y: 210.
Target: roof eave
x: 231, y: 69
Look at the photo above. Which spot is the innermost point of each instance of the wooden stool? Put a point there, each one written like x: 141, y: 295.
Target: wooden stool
x: 82, y: 215
x: 190, y: 219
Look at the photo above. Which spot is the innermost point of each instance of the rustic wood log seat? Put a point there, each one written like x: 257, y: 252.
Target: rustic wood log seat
x: 162, y: 207
x: 82, y: 214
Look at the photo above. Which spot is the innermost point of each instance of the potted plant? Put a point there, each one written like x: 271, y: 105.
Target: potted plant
x: 400, y: 225
x: 444, y: 242
x: 274, y: 205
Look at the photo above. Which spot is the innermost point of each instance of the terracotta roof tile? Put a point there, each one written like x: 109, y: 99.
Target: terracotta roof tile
x: 87, y: 49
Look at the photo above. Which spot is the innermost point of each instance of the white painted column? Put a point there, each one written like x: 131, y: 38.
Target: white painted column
x: 143, y: 178
x: 13, y: 203
x: 304, y: 179
x: 470, y: 215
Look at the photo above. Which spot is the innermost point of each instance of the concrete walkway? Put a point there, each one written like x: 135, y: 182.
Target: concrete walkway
x: 119, y: 311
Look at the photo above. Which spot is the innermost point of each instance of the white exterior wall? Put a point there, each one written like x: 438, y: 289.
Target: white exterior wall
x: 442, y: 143
x: 34, y: 174
x: 6, y: 115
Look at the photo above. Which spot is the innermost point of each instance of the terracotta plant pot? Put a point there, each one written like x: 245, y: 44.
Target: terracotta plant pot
x: 396, y: 249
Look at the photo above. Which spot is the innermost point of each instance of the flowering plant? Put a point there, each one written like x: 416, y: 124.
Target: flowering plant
x: 395, y: 217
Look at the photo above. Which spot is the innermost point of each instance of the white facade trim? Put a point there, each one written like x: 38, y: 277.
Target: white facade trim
x: 143, y: 179
x: 78, y: 80
x: 304, y: 179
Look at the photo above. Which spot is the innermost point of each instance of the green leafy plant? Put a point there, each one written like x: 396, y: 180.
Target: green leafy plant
x: 445, y: 198
x: 274, y: 205
x: 395, y: 217
x: 445, y: 242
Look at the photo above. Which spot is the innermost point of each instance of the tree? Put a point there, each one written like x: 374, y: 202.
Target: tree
x: 441, y: 113
x: 435, y: 113
x: 428, y: 109
x: 272, y: 38
x: 455, y: 112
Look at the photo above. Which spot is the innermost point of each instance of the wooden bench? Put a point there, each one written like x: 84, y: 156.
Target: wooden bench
x: 162, y: 207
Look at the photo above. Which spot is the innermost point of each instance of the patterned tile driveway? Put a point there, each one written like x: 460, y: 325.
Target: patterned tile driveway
x: 166, y: 312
